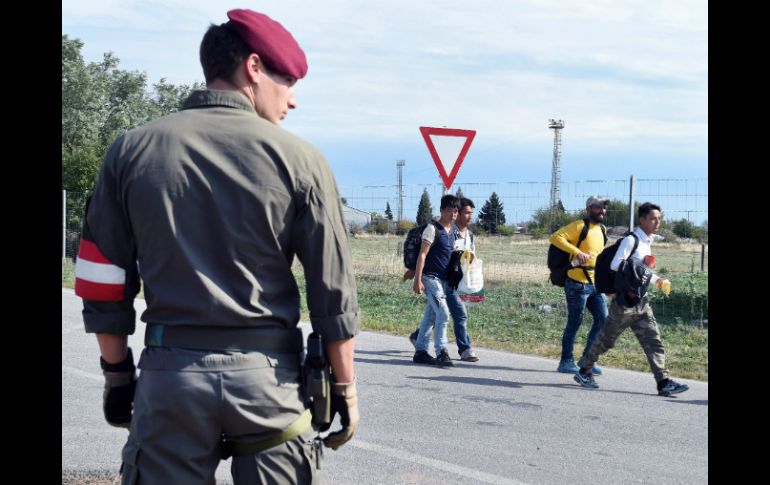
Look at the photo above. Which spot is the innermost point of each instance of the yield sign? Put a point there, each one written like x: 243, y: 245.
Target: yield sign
x: 448, y: 147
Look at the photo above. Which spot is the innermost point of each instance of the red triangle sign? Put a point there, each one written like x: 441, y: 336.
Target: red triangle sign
x: 451, y: 149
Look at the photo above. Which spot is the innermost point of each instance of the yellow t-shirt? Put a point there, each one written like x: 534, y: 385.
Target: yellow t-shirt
x: 565, y: 239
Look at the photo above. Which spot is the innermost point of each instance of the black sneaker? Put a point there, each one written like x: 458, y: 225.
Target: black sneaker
x: 421, y: 357
x: 667, y: 387
x: 413, y: 338
x: 443, y: 359
x: 585, y: 379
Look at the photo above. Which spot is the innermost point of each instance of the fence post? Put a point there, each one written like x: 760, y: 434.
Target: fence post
x: 702, y: 256
x: 631, y: 205
x: 63, y: 224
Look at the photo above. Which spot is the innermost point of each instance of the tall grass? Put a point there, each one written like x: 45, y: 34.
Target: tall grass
x: 513, y: 317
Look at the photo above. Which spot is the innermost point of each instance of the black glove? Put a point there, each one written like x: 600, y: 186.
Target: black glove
x: 345, y: 402
x: 119, y: 386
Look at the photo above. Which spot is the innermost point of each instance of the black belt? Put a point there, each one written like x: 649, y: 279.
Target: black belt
x: 224, y: 338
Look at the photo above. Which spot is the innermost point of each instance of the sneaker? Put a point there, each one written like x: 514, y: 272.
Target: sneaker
x: 443, y: 359
x: 585, y: 379
x: 667, y: 387
x: 413, y: 338
x: 567, y: 366
x: 469, y: 355
x: 421, y: 357
x: 595, y: 370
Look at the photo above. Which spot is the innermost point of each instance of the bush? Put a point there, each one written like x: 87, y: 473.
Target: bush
x: 503, y: 230
x: 539, y: 232
x: 381, y: 226
x: 355, y: 228
x: 541, y: 220
x: 403, y: 226
x: 668, y: 235
x: 686, y: 229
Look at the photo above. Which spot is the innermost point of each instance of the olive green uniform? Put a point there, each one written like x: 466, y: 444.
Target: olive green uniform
x: 209, y: 206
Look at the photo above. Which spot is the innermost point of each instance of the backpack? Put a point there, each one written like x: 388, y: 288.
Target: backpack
x: 412, y: 244
x: 603, y: 274
x: 631, y: 282
x: 454, y: 273
x: 559, y: 261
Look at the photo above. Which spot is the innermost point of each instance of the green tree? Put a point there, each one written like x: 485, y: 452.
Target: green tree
x: 540, y: 225
x: 388, y: 212
x: 491, y: 215
x: 687, y: 229
x: 424, y: 209
x: 617, y: 214
x: 99, y: 103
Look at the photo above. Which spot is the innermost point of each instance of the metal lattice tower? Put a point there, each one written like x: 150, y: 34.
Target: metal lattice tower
x: 400, y: 164
x: 556, y: 126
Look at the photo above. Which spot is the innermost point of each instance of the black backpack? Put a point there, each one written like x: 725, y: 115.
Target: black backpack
x: 631, y: 282
x: 605, y: 277
x: 412, y: 244
x: 454, y: 273
x: 559, y: 261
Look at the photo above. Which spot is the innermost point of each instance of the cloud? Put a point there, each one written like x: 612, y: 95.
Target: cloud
x: 623, y: 75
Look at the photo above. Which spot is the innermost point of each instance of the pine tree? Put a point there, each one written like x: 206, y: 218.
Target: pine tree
x: 388, y: 212
x: 424, y: 210
x: 491, y: 215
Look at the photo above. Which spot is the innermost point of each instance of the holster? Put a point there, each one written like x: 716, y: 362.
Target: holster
x: 317, y: 380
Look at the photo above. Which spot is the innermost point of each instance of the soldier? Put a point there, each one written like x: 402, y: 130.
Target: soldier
x: 631, y: 308
x: 209, y: 206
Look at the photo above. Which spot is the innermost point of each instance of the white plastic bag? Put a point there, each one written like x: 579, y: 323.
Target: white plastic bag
x: 473, y: 278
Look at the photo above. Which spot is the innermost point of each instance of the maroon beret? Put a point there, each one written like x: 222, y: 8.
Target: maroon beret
x: 275, y: 45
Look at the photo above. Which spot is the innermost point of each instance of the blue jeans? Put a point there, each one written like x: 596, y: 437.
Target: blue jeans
x: 459, y: 317
x: 436, y: 291
x: 579, y: 297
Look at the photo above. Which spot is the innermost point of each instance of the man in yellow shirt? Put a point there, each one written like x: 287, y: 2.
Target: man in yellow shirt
x: 579, y: 287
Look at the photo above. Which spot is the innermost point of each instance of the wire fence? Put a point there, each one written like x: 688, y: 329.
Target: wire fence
x: 73, y: 212
x: 518, y: 260
x: 680, y: 198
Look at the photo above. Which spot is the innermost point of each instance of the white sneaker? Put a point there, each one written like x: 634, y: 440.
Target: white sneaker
x: 469, y: 355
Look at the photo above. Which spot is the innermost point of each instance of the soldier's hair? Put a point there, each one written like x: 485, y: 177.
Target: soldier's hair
x: 464, y: 201
x: 646, y: 208
x: 221, y: 53
x: 450, y: 200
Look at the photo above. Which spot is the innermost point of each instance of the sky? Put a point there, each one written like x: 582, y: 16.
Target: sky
x: 629, y: 79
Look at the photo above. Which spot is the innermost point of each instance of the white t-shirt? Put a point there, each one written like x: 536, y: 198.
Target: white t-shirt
x: 464, y: 242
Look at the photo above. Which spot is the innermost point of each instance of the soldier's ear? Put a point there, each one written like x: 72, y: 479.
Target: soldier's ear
x: 252, y: 67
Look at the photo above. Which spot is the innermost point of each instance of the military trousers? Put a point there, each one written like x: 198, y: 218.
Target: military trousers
x: 187, y: 401
x: 642, y: 322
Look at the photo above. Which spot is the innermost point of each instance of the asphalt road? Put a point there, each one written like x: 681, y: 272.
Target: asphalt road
x: 507, y: 419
